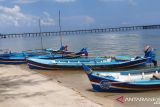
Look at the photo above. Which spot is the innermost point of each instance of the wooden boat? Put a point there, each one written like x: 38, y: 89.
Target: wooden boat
x: 13, y: 58
x: 95, y: 63
x: 20, y: 58
x: 125, y: 81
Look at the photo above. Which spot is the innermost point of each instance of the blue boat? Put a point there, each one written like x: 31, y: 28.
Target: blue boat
x: 95, y: 63
x: 124, y: 81
x: 16, y: 58
x: 20, y: 58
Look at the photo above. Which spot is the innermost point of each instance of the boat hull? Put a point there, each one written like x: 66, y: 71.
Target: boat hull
x: 106, y: 85
x: 12, y: 58
x: 124, y: 81
x: 12, y: 61
x: 43, y: 66
x: 20, y: 58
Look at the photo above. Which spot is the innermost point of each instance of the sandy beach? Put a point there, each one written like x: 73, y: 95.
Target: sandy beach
x: 21, y: 87
x: 78, y: 80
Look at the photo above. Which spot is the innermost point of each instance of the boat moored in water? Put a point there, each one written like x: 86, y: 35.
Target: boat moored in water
x: 20, y: 57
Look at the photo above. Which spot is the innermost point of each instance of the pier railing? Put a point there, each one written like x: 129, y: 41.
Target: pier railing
x: 102, y: 30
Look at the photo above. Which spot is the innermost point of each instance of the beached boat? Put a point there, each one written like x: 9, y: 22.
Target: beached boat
x: 95, y: 63
x: 20, y: 58
x: 124, y: 81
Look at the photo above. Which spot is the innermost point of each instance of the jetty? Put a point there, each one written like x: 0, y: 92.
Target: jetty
x: 84, y: 31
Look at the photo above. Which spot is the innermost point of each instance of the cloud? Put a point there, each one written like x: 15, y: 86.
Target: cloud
x: 64, y: 1
x: 82, y: 20
x: 46, y: 20
x: 88, y: 20
x: 131, y: 2
x: 13, y: 16
x: 112, y: 0
x: 25, y: 1
x: 34, y: 1
x: 16, y: 18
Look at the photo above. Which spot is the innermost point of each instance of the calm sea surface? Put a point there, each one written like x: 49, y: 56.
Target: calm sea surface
x: 108, y: 44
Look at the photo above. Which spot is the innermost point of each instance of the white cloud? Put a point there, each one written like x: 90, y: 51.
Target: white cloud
x: 88, y: 20
x: 15, y: 17
x: 34, y: 1
x: 79, y: 20
x: 64, y: 1
x: 116, y: 0
x: 131, y: 2
x: 47, y: 20
x: 25, y: 1
x: 112, y: 0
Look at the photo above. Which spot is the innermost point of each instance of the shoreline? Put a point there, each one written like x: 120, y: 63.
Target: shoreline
x: 21, y: 87
x: 78, y: 80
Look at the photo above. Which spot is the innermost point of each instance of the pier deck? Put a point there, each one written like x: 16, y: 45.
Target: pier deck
x: 85, y: 31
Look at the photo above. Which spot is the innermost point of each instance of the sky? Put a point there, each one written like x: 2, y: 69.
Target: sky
x: 21, y: 16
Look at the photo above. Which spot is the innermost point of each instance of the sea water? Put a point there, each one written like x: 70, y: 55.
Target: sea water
x: 99, y: 44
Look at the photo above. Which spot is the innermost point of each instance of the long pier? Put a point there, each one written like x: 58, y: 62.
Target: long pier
x: 103, y: 30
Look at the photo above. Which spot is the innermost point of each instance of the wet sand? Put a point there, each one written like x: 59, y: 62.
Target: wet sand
x: 77, y: 80
x: 21, y: 87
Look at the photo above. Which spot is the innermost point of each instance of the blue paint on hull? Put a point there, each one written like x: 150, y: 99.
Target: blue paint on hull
x: 117, y: 86
x: 12, y: 61
x: 49, y: 66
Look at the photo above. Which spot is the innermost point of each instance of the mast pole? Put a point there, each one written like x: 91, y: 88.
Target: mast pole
x: 40, y: 33
x: 60, y: 27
